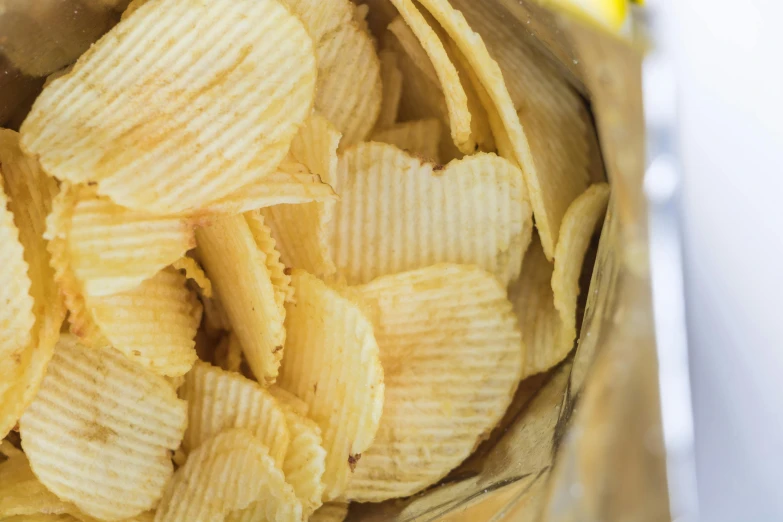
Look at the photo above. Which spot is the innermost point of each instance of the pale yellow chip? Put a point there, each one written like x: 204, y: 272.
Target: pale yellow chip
x: 281, y: 281
x: 228, y: 472
x: 219, y: 400
x: 391, y: 78
x: 419, y: 138
x: 305, y: 460
x: 195, y: 273
x: 418, y: 36
x: 545, y: 297
x: 101, y: 430
x: 398, y: 213
x: 330, y: 512
x: 452, y: 356
x: 300, y: 231
x: 239, y: 268
x: 289, y: 400
x: 28, y: 193
x: 153, y: 324
x: 228, y: 353
x: 332, y: 363
x: 167, y: 130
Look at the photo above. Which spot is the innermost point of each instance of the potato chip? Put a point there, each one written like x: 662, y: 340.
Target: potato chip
x: 41, y: 517
x: 154, y: 324
x: 195, y: 273
x: 219, y: 400
x: 330, y: 512
x: 277, y: 273
x: 300, y: 231
x: 391, y: 79
x: 545, y: 296
x: 168, y: 130
x: 289, y: 400
x: 228, y: 353
x: 426, y: 38
x: 239, y: 268
x: 381, y: 13
x: 29, y: 199
x: 305, y: 460
x: 398, y: 213
x: 332, y: 364
x: 419, y: 138
x: 216, y: 321
x: 360, y: 12
x: 452, y: 357
x: 96, y: 413
x: 228, y: 472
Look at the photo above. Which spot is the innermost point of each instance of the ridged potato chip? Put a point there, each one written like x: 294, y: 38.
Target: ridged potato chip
x: 300, y: 231
x: 219, y: 400
x: 545, y: 297
x: 243, y: 273
x: 330, y: 512
x: 452, y: 356
x: 153, y: 324
x: 169, y: 130
x: 195, y: 273
x: 281, y: 281
x: 422, y: 36
x: 101, y: 430
x: 391, y: 79
x: 398, y: 213
x: 289, y: 400
x: 29, y: 193
x: 227, y: 473
x: 305, y: 460
x: 332, y: 363
x: 419, y: 138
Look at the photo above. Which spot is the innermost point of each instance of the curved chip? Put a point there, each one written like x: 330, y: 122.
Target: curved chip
x: 300, y: 231
x: 219, y: 400
x: 398, y: 213
x: 391, y: 79
x: 419, y: 138
x: 101, y: 430
x: 277, y: 272
x: 332, y: 364
x: 153, y: 324
x: 244, y: 273
x: 169, y: 130
x: 452, y: 356
x: 545, y: 297
x: 330, y: 512
x: 228, y: 472
x: 195, y: 273
x: 305, y: 460
x: 29, y: 198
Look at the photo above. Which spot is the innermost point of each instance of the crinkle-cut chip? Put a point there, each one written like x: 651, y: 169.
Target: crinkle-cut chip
x: 289, y: 400
x: 332, y: 363
x: 112, y: 249
x: 545, y: 297
x: 169, y: 127
x: 330, y: 512
x: 551, y: 191
x: 41, y: 517
x: 266, y: 243
x: 419, y: 137
x: 153, y: 324
x: 423, y: 37
x: 228, y: 353
x: 96, y: 413
x: 237, y: 267
x: 301, y: 231
x: 57, y: 74
x: 305, y: 460
x: 321, y: 17
x: 218, y: 400
x: 30, y: 192
x: 228, y: 472
x: 414, y: 214
x: 391, y: 79
x: 452, y: 357
x: 360, y: 12
x: 195, y: 273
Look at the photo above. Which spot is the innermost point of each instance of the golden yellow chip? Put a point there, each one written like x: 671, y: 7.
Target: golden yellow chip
x: 391, y: 78
x: 398, y: 213
x: 330, y: 512
x: 168, y: 130
x: 305, y: 460
x: 289, y: 400
x: 153, y: 324
x: 452, y: 357
x: 229, y: 472
x: 195, y: 273
x: 40, y: 517
x: 418, y: 36
x: 239, y: 268
x: 332, y: 364
x: 419, y: 138
x: 101, y: 429
x: 277, y: 273
x: 228, y: 353
x: 300, y: 231
x: 545, y: 296
x: 219, y: 400
x: 29, y: 199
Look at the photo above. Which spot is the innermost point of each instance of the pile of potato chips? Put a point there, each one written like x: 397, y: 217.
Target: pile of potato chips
x: 303, y: 264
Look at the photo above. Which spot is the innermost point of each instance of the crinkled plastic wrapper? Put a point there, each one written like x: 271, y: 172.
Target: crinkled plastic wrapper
x: 581, y: 442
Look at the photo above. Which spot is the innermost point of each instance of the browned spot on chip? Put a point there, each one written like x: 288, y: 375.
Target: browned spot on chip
x: 277, y: 348
x: 352, y: 460
x: 287, y: 270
